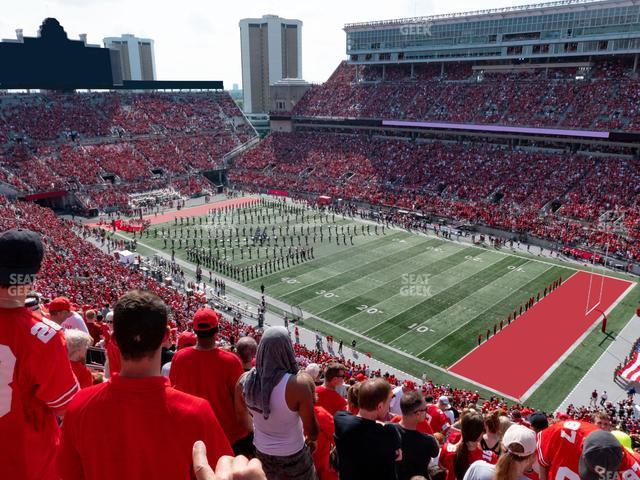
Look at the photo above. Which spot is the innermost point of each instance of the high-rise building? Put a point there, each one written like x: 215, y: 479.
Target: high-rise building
x: 136, y: 56
x: 271, y: 49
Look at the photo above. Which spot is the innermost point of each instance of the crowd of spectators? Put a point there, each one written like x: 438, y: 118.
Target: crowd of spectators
x: 85, y: 142
x: 557, y: 195
x: 552, y: 97
x: 95, y: 283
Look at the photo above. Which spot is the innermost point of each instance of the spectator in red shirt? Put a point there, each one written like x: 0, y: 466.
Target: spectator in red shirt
x: 105, y: 333
x: 326, y: 430
x: 77, y: 344
x: 328, y: 397
x: 211, y: 373
x: 114, y: 360
x: 94, y: 329
x: 148, y: 428
x: 457, y: 458
x: 37, y: 381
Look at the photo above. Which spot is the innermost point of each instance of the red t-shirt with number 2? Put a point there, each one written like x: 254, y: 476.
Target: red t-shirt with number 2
x: 560, y: 448
x: 35, y: 381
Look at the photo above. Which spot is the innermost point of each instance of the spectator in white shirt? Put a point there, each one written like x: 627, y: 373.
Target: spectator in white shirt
x: 60, y: 312
x: 445, y: 406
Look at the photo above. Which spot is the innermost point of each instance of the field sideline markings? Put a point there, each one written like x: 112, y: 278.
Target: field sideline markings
x: 568, y: 265
x: 492, y: 264
x: 395, y: 295
x: 320, y: 267
x: 427, y: 363
x: 409, y: 356
x: 606, y: 350
x: 425, y: 322
x: 311, y: 264
x: 575, y: 345
x: 513, y: 321
x: 350, y: 269
x: 394, y: 279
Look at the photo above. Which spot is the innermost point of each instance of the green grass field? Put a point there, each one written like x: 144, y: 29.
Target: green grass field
x: 416, y: 302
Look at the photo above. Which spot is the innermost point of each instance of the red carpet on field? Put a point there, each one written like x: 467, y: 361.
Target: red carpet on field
x: 195, y: 211
x: 199, y: 210
x: 512, y: 361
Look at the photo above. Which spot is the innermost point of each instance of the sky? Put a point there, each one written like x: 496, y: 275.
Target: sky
x: 200, y: 39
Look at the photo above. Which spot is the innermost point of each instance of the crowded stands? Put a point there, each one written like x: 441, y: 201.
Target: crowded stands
x: 95, y: 285
x: 555, y: 195
x: 550, y: 97
x: 120, y: 374
x: 122, y: 143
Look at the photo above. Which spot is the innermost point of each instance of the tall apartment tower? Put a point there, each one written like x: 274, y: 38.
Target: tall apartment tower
x: 271, y: 49
x: 136, y: 56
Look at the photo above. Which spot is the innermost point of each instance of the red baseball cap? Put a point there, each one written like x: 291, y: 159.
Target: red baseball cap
x: 59, y: 304
x: 186, y: 339
x: 205, y: 319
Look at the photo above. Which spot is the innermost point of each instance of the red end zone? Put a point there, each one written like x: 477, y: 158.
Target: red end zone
x: 535, y: 341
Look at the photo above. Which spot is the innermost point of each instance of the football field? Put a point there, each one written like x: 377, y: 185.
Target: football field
x: 415, y: 301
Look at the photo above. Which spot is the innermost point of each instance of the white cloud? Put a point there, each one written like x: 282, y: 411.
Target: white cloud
x: 200, y: 39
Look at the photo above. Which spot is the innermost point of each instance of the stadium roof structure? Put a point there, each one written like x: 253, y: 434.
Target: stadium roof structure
x: 567, y: 29
x: 559, y: 6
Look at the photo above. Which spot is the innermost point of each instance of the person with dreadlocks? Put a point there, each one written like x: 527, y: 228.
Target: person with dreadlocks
x: 456, y: 458
x: 280, y: 401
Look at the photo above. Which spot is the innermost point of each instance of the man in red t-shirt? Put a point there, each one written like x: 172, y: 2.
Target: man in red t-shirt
x: 324, y: 443
x: 575, y: 450
x: 328, y: 397
x: 94, y: 330
x: 436, y: 418
x: 114, y: 360
x: 211, y: 373
x: 36, y: 381
x: 148, y: 429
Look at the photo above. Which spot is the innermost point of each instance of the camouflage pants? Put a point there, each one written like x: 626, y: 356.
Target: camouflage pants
x: 298, y: 466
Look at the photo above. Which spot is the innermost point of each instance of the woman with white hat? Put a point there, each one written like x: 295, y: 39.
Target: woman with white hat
x: 519, y: 455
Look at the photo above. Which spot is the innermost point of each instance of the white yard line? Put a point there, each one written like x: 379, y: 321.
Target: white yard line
x: 443, y: 290
x: 564, y: 263
x: 395, y: 279
x: 324, y: 278
x: 411, y: 357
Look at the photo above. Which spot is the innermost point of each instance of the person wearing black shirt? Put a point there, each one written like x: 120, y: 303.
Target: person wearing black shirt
x: 367, y: 449
x: 167, y: 351
x: 417, y: 448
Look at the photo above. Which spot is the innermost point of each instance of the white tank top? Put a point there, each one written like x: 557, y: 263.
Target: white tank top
x: 282, y: 433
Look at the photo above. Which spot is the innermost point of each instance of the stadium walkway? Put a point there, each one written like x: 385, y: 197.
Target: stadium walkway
x: 600, y: 375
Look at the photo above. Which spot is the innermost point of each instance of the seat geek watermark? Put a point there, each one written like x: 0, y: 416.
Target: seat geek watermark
x: 415, y: 285
x: 20, y: 283
x: 416, y: 29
